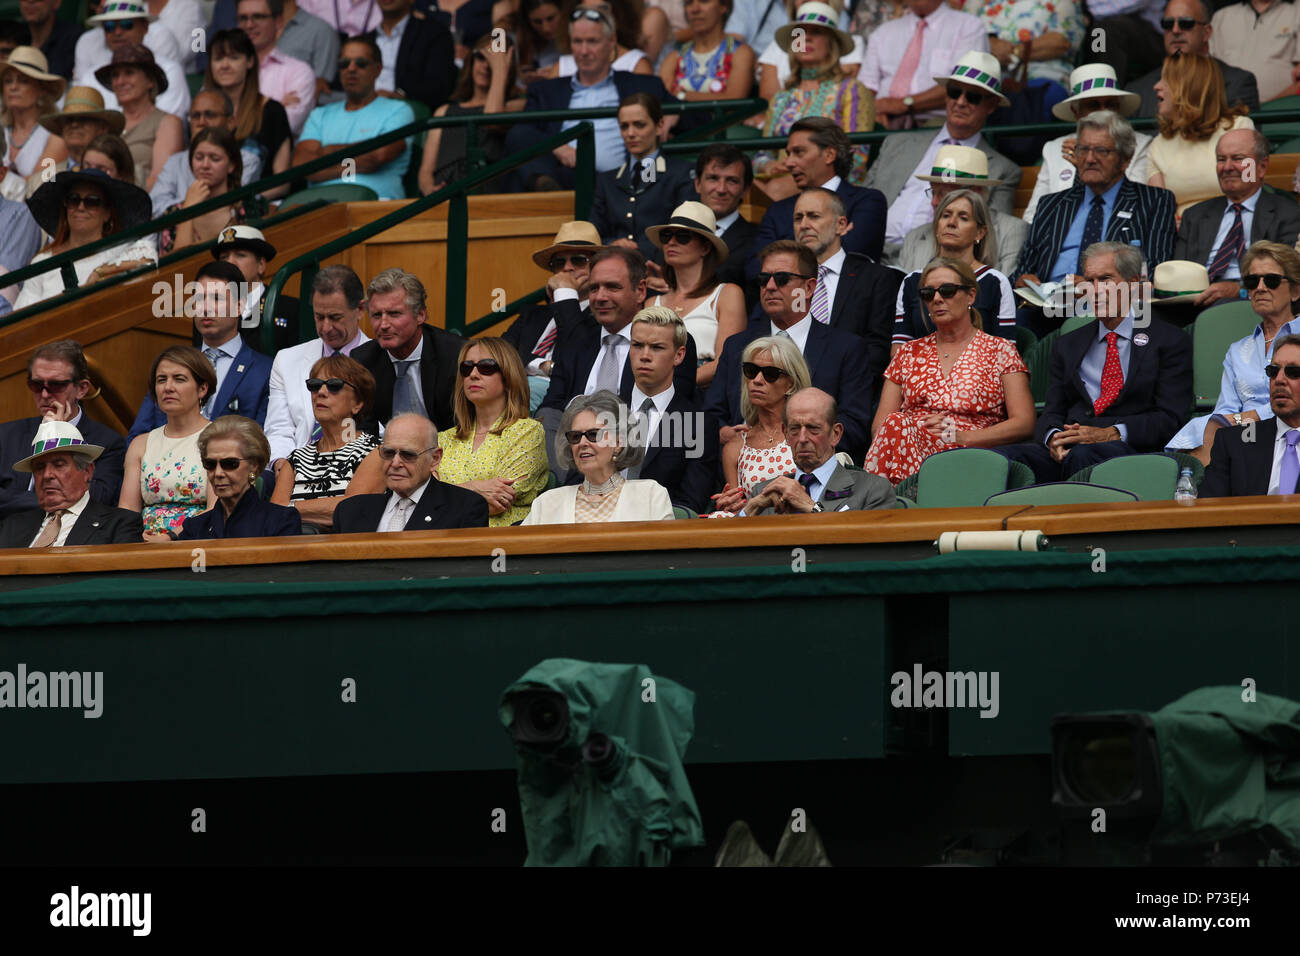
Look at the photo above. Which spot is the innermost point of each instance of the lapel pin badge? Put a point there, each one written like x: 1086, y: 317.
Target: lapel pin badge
x: 1141, y: 339
x: 239, y: 368
x: 428, y: 517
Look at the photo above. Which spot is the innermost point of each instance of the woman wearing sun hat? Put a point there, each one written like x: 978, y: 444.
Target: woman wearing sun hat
x: 712, y: 310
x: 28, y: 91
x: 82, y: 119
x: 817, y: 87
x: 1092, y: 87
x: 153, y: 135
x: 81, y: 207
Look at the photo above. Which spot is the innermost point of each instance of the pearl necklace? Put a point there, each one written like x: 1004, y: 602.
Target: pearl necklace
x: 614, y: 482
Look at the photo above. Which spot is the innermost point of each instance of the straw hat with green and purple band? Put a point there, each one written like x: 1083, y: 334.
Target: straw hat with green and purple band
x: 1093, y: 82
x: 962, y: 166
x: 814, y: 14
x: 977, y: 69
x: 55, y: 436
x: 1178, y: 280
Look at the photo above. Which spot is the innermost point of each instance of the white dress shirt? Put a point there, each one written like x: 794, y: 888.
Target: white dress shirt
x: 798, y: 332
x: 949, y: 35
x: 70, y: 516
x: 725, y: 222
x: 414, y: 370
x: 1279, y: 448
x: 660, y: 408
x: 911, y: 208
x: 391, y: 508
x: 388, y: 47
x: 621, y: 350
x: 833, y: 266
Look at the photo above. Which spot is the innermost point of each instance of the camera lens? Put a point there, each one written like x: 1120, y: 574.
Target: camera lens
x: 541, y: 718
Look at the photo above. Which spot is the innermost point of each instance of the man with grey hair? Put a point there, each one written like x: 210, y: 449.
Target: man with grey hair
x: 62, y: 465
x: 1217, y: 231
x: 416, y: 500
x: 1121, y: 385
x: 1102, y: 204
x: 1188, y: 29
x: 414, y: 363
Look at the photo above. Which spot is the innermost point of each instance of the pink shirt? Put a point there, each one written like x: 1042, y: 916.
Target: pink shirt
x: 353, y: 17
x: 280, y: 75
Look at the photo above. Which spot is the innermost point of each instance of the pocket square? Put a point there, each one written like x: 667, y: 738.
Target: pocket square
x: 829, y: 495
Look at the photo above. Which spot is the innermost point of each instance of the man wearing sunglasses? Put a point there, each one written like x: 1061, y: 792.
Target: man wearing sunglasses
x: 1187, y: 29
x: 838, y: 360
x: 58, y: 378
x: 973, y: 90
x: 1260, y: 458
x: 535, y: 333
x: 337, y: 302
x: 418, y: 52
x: 416, y: 500
x: 126, y: 22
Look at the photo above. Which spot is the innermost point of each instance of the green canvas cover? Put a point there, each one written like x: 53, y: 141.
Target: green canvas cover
x: 1228, y: 766
x: 634, y: 810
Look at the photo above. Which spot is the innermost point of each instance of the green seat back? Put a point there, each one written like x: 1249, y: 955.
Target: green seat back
x: 335, y: 192
x: 1025, y: 339
x: 1061, y: 493
x: 741, y: 131
x: 1215, y: 330
x: 1281, y: 103
x: 960, y: 478
x: 195, y: 83
x: 682, y: 512
x: 1037, y: 361
x: 1075, y: 322
x: 1150, y: 477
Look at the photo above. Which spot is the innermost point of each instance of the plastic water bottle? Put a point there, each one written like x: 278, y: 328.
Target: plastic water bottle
x: 1185, y: 490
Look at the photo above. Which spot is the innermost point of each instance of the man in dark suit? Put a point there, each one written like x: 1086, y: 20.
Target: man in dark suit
x: 404, y: 344
x: 819, y: 483
x: 59, y: 380
x: 819, y: 154
x: 838, y: 360
x: 1216, y: 232
x: 853, y: 294
x: 425, y: 68
x: 535, y: 333
x: 243, y: 375
x: 723, y: 175
x: 1102, y: 204
x: 1119, y: 386
x: 1260, y: 458
x: 416, y: 500
x: 62, y: 466
x: 592, y: 40
x: 596, y: 354
x: 1188, y: 31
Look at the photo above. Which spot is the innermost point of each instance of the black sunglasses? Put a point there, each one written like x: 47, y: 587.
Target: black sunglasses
x: 360, y: 62
x: 335, y: 385
x: 680, y: 236
x: 227, y: 464
x: 90, y: 201
x: 973, y: 97
x: 770, y: 373
x: 52, y: 385
x: 112, y: 26
x: 1271, y: 280
x: 947, y: 291
x: 388, y: 454
x: 1184, y: 23
x: 1292, y: 371
x: 586, y: 13
x: 783, y: 279
x: 592, y: 435
x: 578, y: 260
x: 484, y: 366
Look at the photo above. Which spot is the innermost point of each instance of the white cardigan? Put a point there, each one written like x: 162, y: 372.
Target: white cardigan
x: 640, y: 500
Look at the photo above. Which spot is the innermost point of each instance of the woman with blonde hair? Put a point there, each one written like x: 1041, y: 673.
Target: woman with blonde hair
x: 773, y: 369
x: 1194, y: 114
x: 495, y: 449
x: 957, y: 387
x: 29, y: 91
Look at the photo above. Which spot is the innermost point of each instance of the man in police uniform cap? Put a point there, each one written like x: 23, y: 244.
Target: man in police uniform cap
x: 247, y: 249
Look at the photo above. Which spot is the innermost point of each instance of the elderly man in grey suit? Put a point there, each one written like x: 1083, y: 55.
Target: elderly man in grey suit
x: 963, y: 168
x: 820, y: 483
x: 1216, y: 232
x: 973, y: 92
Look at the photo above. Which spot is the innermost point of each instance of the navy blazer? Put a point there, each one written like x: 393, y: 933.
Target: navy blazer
x: 246, y: 391
x: 437, y: 375
x: 623, y: 210
x: 1239, y: 467
x: 426, y: 60
x: 252, y: 518
x: 16, y: 444
x: 1276, y: 219
x: 1143, y: 216
x: 554, y: 94
x: 441, y: 506
x: 98, y: 524
x: 838, y: 362
x: 525, y: 332
x: 577, y: 353
x: 865, y: 208
x: 1157, y: 393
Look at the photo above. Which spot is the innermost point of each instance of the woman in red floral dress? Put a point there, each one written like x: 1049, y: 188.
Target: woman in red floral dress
x: 955, y: 388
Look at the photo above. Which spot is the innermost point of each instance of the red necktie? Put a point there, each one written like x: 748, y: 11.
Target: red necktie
x: 1112, y: 376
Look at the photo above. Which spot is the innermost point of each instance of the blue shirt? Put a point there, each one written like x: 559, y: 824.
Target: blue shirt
x: 1247, y: 220
x: 610, y: 151
x: 20, y: 239
x: 1068, y: 261
x: 333, y: 124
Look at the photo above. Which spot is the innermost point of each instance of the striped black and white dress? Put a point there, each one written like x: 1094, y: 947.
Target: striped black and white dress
x: 326, y: 475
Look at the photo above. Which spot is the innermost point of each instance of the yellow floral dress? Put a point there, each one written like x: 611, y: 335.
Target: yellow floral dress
x: 518, y: 452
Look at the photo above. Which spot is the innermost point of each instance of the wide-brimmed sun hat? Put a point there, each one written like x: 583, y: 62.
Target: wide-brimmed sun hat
x: 132, y: 204
x: 122, y: 10
x: 137, y: 55
x: 964, y: 165
x: 1178, y: 280
x: 977, y: 69
x: 1095, y: 81
x: 30, y: 61
x: 56, y: 436
x: 577, y: 236
x: 814, y: 14
x: 84, y: 102
x: 694, y: 217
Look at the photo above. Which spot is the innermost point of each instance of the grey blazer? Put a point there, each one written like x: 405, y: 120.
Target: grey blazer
x: 899, y: 154
x: 849, y: 491
x: 1276, y: 219
x: 918, y: 247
